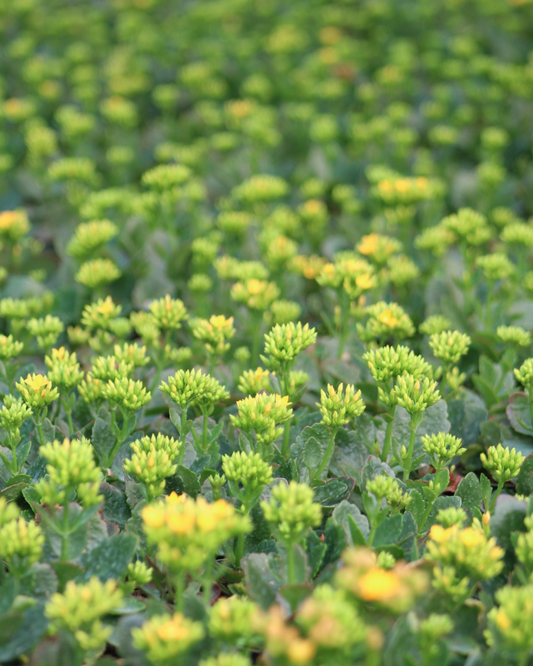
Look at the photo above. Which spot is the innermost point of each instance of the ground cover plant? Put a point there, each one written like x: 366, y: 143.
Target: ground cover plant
x: 266, y: 367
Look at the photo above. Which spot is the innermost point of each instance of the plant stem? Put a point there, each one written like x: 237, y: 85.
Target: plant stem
x: 204, y: 434
x: 286, y: 439
x: 64, y: 535
x: 388, y: 437
x: 179, y: 586
x: 291, y: 574
x: 409, y: 459
x: 327, y: 456
x: 495, y: 495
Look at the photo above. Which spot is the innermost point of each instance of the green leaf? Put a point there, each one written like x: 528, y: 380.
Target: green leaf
x: 508, y: 517
x: 116, y: 507
x: 293, y: 595
x: 353, y: 522
x: 519, y: 414
x: 65, y: 571
x: 466, y: 416
x: 389, y: 531
x: 352, y: 448
x: 469, y: 490
x: 315, y: 550
x: 335, y: 540
x: 110, y: 559
x: 443, y: 502
x: 22, y: 632
x: 103, y: 439
x: 524, y: 481
x: 312, y: 454
x: 261, y: 583
x: 418, y: 505
x: 8, y: 591
x: 184, y: 481
x: 333, y: 492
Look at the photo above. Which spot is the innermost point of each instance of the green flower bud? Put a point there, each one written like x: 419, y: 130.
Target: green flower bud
x: 386, y: 560
x: 70, y: 466
x: 63, y: 368
x: 214, y: 333
x: 468, y: 226
x: 402, y: 270
x: 37, y: 391
x: 449, y: 346
x: 21, y: 543
x: 13, y: 413
x: 231, y: 621
x: 168, y: 313
x: 108, y: 368
x: 441, y: 448
x: 255, y: 294
x: 502, y: 463
x: 253, y: 381
x: 80, y: 169
x: 9, y: 348
x: 291, y: 511
x: 139, y: 574
x: 518, y: 233
x: 284, y: 312
x: 100, y: 314
x: 247, y: 475
x: 97, y: 272
x: 46, y: 330
x: 525, y: 374
x: 166, y: 176
x: 433, y: 628
x: 129, y: 394
x: 386, y: 320
x: 415, y: 395
x: 510, y: 624
x: 164, y: 638
x: 451, y: 516
x: 496, y: 266
x: 132, y: 354
x: 80, y: 610
x: 514, y: 335
x: 260, y: 189
x: 227, y: 659
x: 435, y: 324
x: 388, y: 363
x: 152, y: 462
x: 194, y: 388
x: 339, y: 406
x: 385, y: 487
x: 262, y: 414
x: 89, y: 237
x: 283, y: 344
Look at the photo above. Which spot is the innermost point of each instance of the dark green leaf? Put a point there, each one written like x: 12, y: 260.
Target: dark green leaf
x: 102, y: 439
x: 519, y: 414
x: 469, y: 490
x: 110, y: 559
x: 524, y: 481
x: 389, y: 531
x: 260, y: 581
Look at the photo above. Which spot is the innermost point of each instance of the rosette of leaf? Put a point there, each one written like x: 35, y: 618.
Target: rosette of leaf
x: 90, y: 237
x: 21, y: 542
x: 153, y: 460
x: 71, y: 472
x: 262, y: 415
x: 79, y: 612
x: 188, y: 534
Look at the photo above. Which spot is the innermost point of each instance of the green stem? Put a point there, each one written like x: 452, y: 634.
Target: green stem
x: 291, y: 574
x: 409, y: 459
x: 239, y: 550
x: 207, y: 583
x: 495, y: 495
x: 179, y: 585
x: 344, y: 324
x: 40, y: 432
x: 183, y: 434
x: 204, y: 434
x: 388, y: 437
x: 524, y: 658
x: 286, y: 439
x: 64, y: 535
x: 327, y: 456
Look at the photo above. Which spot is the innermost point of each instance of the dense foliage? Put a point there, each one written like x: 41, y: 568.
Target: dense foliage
x: 266, y: 366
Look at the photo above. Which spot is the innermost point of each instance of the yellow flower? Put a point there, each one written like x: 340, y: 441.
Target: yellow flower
x: 472, y: 538
x: 301, y: 651
x: 368, y: 244
x: 219, y: 321
x: 37, y: 383
x: 502, y: 620
x: 379, y: 584
x: 440, y: 534
x: 172, y: 631
x: 364, y: 281
x: 387, y: 318
x: 153, y: 516
x: 107, y: 307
